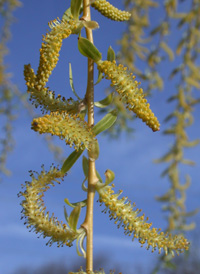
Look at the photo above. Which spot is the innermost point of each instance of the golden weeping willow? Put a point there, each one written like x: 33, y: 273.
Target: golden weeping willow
x: 137, y: 39
x: 67, y: 121
x: 7, y: 88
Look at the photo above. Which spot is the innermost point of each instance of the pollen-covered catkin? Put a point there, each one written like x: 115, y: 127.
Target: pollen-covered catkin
x: 49, y: 55
x: 49, y: 52
x: 68, y: 127
x: 122, y: 211
x: 45, y: 98
x: 109, y: 11
x: 34, y: 209
x: 129, y: 91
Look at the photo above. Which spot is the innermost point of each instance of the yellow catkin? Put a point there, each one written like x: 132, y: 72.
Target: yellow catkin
x: 109, y: 11
x: 34, y: 210
x: 51, y: 45
x: 122, y: 211
x: 45, y: 98
x: 49, y: 55
x: 68, y: 127
x: 129, y: 91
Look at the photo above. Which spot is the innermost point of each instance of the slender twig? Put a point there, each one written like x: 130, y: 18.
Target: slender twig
x: 92, y: 178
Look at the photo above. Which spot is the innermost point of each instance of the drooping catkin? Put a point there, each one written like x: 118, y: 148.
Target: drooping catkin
x: 68, y: 127
x: 129, y: 91
x: 49, y: 55
x: 34, y: 210
x: 109, y: 11
x: 122, y: 211
x: 45, y: 98
x: 49, y: 52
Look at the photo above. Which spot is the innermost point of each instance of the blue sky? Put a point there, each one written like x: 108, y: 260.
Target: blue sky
x: 130, y: 158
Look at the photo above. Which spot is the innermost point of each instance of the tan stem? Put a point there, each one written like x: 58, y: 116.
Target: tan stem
x: 92, y: 178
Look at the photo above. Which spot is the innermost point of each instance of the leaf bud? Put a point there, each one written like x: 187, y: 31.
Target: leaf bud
x: 110, y: 54
x: 110, y: 176
x: 87, y: 49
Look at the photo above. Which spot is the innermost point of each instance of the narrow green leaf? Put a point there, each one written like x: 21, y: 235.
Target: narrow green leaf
x: 110, y: 54
x: 79, y: 242
x: 82, y: 203
x: 106, y: 122
x: 84, y: 188
x: 81, y: 245
x: 77, y: 246
x: 100, y: 76
x: 66, y: 215
x: 105, y: 102
x: 74, y: 216
x: 70, y: 161
x: 85, y: 165
x: 75, y: 8
x: 72, y: 82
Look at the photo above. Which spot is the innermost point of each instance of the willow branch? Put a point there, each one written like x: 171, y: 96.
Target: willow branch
x: 92, y: 179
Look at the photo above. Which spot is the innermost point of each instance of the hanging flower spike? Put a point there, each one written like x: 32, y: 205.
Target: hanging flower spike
x: 46, y: 98
x: 68, y: 127
x: 129, y: 91
x: 49, y: 52
x: 34, y: 210
x: 122, y: 212
x: 109, y: 11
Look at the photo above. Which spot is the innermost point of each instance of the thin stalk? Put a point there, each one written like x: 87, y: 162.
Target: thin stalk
x: 92, y: 178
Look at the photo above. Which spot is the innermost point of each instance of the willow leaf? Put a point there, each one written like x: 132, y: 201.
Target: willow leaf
x: 105, y: 102
x: 106, y: 122
x: 74, y: 216
x: 72, y: 82
x: 82, y: 203
x: 85, y: 166
x: 70, y: 161
x: 110, y: 54
x: 75, y: 8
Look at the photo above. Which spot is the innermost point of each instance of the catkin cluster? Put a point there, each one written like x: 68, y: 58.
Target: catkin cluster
x: 34, y: 210
x: 68, y: 127
x: 129, y: 91
x: 109, y: 11
x: 122, y: 211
